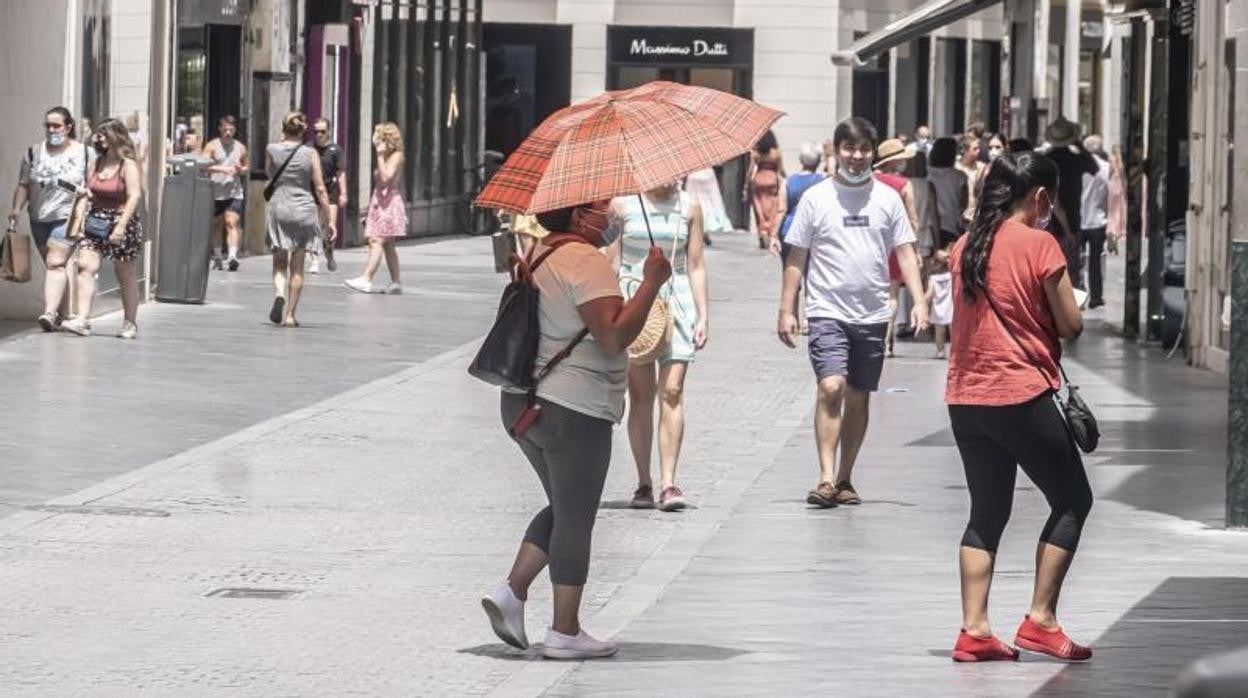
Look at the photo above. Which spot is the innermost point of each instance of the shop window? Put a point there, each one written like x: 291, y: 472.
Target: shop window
x: 1089, y: 90
x: 949, y: 77
x: 985, y: 84
x: 912, y: 63
x: 870, y: 85
x: 96, y: 59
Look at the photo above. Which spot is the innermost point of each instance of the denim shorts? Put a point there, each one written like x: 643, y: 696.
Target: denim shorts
x: 845, y: 349
x: 52, y: 230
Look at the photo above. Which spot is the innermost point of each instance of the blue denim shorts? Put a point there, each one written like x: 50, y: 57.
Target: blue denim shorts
x: 845, y: 349
x: 53, y: 230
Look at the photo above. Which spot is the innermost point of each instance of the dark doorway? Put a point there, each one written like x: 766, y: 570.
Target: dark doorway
x: 528, y: 77
x: 871, y: 91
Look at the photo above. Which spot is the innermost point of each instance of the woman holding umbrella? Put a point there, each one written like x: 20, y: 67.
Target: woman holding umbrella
x: 591, y: 152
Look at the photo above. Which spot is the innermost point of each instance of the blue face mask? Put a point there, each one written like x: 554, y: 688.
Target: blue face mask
x: 854, y: 179
x: 56, y: 140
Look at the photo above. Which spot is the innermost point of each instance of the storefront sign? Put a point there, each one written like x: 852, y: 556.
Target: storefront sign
x: 678, y: 45
x: 194, y: 13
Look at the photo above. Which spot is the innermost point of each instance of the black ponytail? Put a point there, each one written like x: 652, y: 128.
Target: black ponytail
x: 1006, y: 183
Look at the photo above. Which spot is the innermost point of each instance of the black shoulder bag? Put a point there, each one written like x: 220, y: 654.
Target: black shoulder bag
x: 508, y: 355
x: 271, y: 187
x: 1079, y: 418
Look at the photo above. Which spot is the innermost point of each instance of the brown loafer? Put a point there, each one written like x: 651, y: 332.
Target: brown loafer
x: 823, y: 496
x: 846, y: 494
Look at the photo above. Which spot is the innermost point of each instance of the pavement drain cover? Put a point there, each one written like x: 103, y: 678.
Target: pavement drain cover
x: 252, y: 593
x: 97, y: 510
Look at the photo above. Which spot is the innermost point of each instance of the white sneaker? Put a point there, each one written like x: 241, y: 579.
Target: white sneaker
x: 360, y: 284
x: 560, y: 646
x: 128, y: 331
x: 394, y: 289
x: 314, y: 267
x: 506, y: 612
x: 77, y: 326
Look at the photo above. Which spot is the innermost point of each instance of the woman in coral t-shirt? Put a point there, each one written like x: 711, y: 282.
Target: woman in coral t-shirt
x: 1012, y: 301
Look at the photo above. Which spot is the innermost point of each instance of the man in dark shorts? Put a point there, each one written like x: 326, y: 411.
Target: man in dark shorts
x: 229, y: 164
x: 335, y: 184
x: 846, y: 226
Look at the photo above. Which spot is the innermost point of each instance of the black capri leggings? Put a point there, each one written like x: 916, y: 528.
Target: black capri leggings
x: 1033, y: 435
x: 570, y: 452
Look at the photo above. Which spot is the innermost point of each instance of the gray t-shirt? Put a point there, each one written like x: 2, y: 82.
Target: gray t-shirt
x: 849, y: 232
x: 589, y: 381
x: 225, y: 186
x: 40, y: 171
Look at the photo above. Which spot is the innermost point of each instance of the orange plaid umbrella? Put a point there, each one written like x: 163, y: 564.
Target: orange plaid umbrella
x: 625, y: 142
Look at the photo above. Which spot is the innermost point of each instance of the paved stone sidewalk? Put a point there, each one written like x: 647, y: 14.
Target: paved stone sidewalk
x: 384, y: 511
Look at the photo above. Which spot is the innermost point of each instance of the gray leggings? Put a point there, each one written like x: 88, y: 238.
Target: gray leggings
x: 570, y: 452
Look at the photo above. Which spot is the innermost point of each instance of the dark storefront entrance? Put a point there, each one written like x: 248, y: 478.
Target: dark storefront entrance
x: 722, y: 59
x: 210, y: 71
x: 528, y: 73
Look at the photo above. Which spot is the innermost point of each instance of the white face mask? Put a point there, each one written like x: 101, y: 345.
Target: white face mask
x: 56, y: 140
x: 852, y: 178
x: 994, y: 153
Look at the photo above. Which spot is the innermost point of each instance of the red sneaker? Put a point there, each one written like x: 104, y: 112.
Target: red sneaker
x: 1054, y: 643
x: 969, y: 648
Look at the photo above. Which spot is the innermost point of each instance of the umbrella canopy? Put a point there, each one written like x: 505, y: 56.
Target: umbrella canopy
x: 625, y: 142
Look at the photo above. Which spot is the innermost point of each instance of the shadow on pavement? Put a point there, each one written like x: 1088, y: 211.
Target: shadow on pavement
x: 1183, y: 619
x: 629, y: 652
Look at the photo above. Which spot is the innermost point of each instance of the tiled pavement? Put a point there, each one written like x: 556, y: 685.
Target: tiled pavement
x: 385, y: 510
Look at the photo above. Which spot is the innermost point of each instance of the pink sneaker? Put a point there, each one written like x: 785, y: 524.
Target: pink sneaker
x: 643, y: 497
x: 672, y: 499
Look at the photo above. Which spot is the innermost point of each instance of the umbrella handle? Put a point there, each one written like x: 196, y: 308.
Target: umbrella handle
x: 645, y: 217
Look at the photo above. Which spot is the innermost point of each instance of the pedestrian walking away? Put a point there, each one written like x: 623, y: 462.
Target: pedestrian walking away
x: 1063, y: 147
x: 1013, y: 301
x: 892, y: 158
x: 386, y: 219
x: 112, y: 229
x: 298, y: 213
x: 230, y: 163
x: 794, y: 187
x: 940, y: 300
x: 1094, y: 219
x: 51, y: 173
x: 846, y: 226
x: 766, y: 172
x: 335, y: 177
x: 703, y: 186
x: 953, y: 190
x: 674, y: 220
x: 580, y: 399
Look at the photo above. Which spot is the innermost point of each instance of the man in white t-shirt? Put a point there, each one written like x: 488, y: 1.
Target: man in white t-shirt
x: 846, y: 226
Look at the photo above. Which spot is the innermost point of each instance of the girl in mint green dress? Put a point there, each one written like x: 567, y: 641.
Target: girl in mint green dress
x: 676, y: 223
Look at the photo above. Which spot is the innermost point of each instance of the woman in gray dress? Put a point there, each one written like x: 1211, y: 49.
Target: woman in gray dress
x: 298, y: 212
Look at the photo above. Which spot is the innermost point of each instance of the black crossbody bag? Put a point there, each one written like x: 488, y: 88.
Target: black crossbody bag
x: 1079, y: 418
x: 271, y: 187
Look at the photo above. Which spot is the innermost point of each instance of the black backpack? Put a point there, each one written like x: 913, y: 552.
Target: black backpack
x: 509, y: 353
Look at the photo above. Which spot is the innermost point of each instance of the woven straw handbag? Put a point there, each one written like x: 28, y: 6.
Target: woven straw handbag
x: 656, y: 334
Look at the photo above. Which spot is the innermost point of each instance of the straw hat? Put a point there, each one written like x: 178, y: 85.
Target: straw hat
x: 892, y: 150
x: 1062, y: 132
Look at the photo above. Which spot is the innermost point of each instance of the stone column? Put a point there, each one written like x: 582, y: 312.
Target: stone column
x: 1237, y: 436
x: 1070, y: 62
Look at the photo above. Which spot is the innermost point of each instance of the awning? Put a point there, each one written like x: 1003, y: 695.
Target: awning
x: 924, y: 20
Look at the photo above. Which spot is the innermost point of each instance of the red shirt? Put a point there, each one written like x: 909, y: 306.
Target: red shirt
x: 986, y: 366
x: 899, y: 183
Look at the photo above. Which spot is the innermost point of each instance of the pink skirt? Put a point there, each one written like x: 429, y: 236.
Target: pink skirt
x: 387, y: 215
